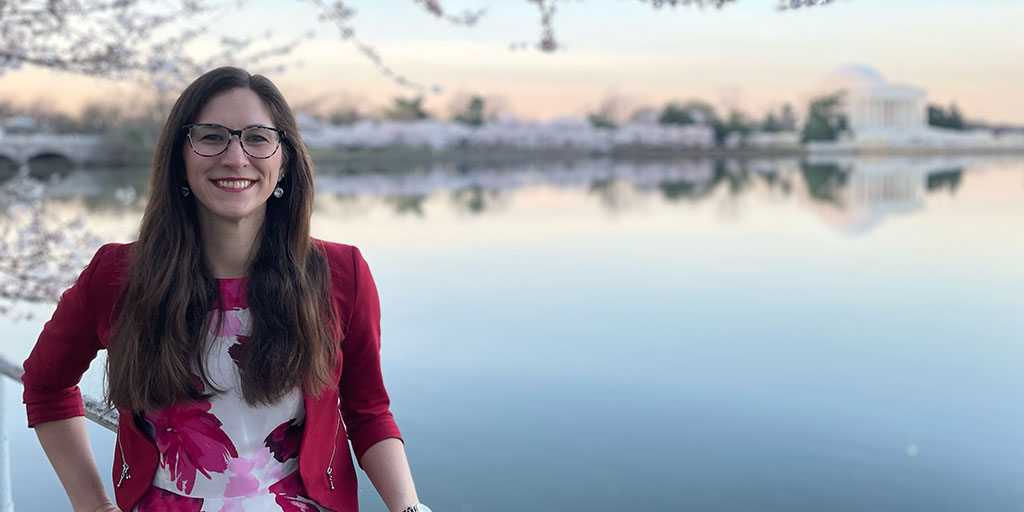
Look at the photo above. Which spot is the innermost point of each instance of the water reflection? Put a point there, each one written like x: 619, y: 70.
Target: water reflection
x: 852, y: 195
x: 553, y: 318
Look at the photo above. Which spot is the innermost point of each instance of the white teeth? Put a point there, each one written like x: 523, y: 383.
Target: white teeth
x: 233, y: 183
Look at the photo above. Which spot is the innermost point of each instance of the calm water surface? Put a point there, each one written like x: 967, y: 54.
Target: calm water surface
x: 672, y: 335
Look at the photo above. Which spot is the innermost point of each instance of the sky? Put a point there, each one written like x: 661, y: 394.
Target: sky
x: 747, y: 55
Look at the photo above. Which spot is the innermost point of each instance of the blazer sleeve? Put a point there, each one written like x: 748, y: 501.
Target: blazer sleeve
x: 364, y: 401
x: 65, y: 348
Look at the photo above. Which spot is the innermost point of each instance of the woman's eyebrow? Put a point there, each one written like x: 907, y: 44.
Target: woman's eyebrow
x: 253, y: 125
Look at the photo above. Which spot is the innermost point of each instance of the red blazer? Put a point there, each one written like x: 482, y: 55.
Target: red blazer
x: 82, y: 325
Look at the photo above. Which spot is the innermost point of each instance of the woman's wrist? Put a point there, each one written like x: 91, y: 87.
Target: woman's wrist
x: 105, y: 507
x: 419, y: 507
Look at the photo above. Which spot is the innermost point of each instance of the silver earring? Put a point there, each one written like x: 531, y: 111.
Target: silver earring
x: 185, y: 191
x: 278, y: 191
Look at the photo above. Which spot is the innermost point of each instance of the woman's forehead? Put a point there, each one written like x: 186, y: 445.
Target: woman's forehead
x: 236, y: 109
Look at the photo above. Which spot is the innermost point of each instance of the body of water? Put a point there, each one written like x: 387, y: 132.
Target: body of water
x: 769, y: 335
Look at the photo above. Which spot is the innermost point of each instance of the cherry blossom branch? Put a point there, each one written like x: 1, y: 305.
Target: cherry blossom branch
x: 340, y: 15
x: 93, y: 37
x: 41, y: 253
x: 466, y: 18
x: 786, y: 5
x: 140, y: 40
x: 548, y: 43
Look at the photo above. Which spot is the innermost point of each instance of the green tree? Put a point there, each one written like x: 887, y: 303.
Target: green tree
x: 343, y: 115
x: 612, y: 111
x: 406, y: 109
x: 675, y: 114
x: 472, y: 113
x: 956, y: 119
x: 938, y: 116
x: 771, y: 123
x: 692, y: 111
x: 738, y: 121
x: 824, y: 121
x: 701, y: 112
x: 599, y: 121
x: 783, y: 120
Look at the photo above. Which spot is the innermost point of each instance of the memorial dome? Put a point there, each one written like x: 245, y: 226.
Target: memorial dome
x: 852, y: 77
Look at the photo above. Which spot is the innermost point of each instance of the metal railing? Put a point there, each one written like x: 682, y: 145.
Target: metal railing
x: 95, y: 410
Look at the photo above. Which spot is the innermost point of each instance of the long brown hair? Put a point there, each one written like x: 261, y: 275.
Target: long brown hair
x: 158, y: 344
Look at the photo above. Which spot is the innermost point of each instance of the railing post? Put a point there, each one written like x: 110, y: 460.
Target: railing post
x: 6, y: 500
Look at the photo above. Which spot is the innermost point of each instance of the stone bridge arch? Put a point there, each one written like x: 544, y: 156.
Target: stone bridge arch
x: 50, y: 153
x: 47, y: 164
x: 8, y: 167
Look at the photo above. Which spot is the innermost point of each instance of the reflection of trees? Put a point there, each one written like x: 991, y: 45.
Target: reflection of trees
x: 617, y: 184
x: 776, y: 181
x: 944, y: 179
x: 474, y: 199
x: 614, y: 194
x: 825, y: 182
x: 734, y: 175
x: 95, y: 189
x: 412, y: 204
x: 107, y: 189
x: 678, y: 190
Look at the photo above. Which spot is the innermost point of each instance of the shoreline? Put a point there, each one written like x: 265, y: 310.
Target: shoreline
x: 404, y: 158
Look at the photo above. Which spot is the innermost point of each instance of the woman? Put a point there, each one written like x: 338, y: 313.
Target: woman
x: 242, y: 354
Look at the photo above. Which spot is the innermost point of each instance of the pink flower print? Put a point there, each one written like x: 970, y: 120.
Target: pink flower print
x: 290, y: 492
x: 160, y: 500
x: 235, y: 351
x: 190, y: 439
x: 284, y: 440
x: 225, y: 324
x: 243, y: 482
x: 232, y: 506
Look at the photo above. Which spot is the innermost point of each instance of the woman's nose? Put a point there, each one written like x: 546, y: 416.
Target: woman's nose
x: 234, y: 155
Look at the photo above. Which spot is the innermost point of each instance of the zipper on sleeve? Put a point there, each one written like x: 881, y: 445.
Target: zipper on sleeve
x: 125, y: 472
x: 330, y: 479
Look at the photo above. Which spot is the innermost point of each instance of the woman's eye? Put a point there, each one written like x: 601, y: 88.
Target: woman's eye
x: 212, y: 137
x: 258, y: 139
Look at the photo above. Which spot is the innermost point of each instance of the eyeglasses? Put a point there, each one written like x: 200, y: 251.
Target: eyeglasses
x: 213, y: 139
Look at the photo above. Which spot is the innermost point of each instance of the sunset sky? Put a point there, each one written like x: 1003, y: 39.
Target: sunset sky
x: 747, y: 55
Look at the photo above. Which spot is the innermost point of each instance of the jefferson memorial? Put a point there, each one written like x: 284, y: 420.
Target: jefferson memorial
x: 871, y: 104
x: 882, y: 114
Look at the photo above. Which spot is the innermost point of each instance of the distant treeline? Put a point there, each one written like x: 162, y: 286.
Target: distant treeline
x: 132, y: 133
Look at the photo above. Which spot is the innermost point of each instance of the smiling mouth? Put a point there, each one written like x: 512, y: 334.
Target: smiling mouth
x: 233, y: 185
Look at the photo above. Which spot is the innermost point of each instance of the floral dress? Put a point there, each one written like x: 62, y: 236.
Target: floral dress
x: 221, y: 454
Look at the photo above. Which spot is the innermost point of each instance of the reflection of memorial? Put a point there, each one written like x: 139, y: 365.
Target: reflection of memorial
x: 856, y: 196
